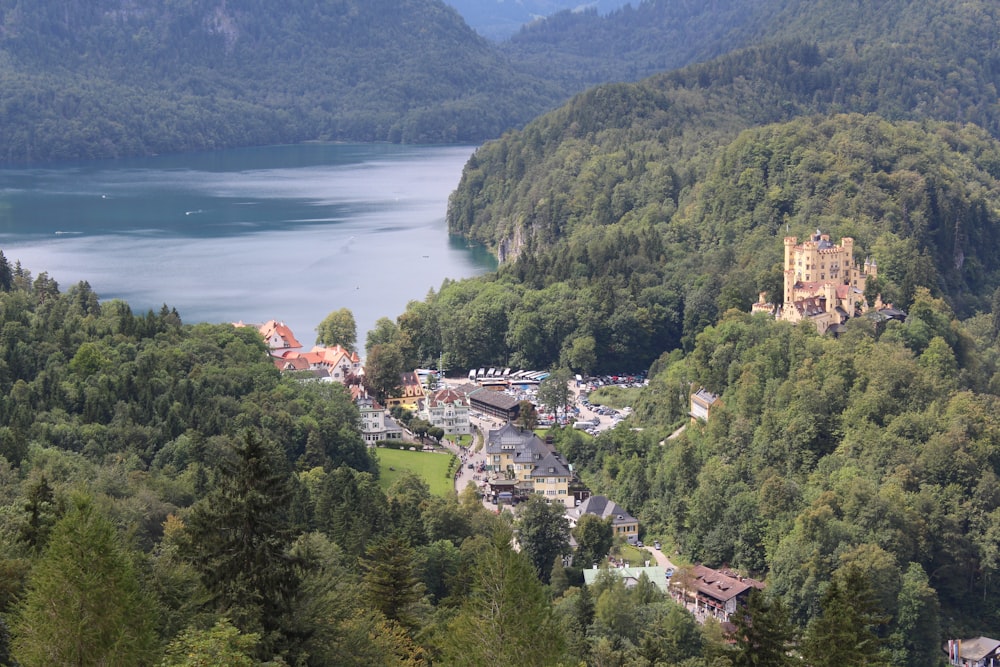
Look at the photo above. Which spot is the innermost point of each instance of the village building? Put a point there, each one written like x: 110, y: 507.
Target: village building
x: 376, y: 424
x: 623, y: 524
x: 277, y: 335
x: 411, y: 392
x: 447, y: 409
x: 822, y: 283
x: 702, y: 404
x: 975, y: 652
x: 496, y: 404
x: 551, y: 478
x: 715, y: 593
x: 535, y: 466
x: 630, y: 575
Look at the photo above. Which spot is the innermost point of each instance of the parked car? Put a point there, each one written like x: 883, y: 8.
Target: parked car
x: 669, y: 572
x: 656, y: 545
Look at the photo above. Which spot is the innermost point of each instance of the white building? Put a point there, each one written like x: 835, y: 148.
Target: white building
x: 447, y: 409
x: 376, y: 424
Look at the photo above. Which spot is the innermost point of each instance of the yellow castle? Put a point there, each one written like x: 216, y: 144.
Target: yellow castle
x: 823, y: 283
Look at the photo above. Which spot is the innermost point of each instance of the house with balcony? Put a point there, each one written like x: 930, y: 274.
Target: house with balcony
x: 520, y: 455
x: 376, y: 424
x: 447, y: 409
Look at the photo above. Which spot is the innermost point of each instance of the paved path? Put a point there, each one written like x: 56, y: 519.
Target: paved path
x: 661, y: 558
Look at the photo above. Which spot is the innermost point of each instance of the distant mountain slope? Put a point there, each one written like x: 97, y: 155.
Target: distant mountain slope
x: 110, y: 77
x: 499, y: 19
x: 639, y: 39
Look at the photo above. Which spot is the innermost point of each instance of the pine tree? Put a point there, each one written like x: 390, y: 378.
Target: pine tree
x: 391, y: 581
x: 41, y: 509
x: 763, y: 632
x: 83, y: 604
x: 507, y: 620
x: 238, y: 539
x: 845, y: 632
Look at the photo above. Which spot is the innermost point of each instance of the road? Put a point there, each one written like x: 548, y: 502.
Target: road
x: 660, y: 558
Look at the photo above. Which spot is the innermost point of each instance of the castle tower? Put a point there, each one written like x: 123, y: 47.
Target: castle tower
x: 790, y: 242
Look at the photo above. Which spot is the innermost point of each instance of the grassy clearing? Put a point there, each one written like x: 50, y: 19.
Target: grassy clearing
x: 615, y: 397
x: 430, y: 466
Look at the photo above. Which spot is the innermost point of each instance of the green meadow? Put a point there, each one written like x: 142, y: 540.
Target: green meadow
x: 430, y: 466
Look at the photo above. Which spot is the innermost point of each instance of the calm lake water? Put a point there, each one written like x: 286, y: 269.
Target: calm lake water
x: 283, y: 232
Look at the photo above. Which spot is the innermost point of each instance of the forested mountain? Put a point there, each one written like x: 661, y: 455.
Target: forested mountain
x: 619, y: 188
x: 107, y: 78
x: 499, y: 20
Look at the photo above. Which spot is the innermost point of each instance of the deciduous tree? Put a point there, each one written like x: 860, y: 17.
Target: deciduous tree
x: 543, y: 533
x: 338, y: 328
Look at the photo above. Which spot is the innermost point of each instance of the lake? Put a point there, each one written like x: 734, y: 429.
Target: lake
x: 281, y: 232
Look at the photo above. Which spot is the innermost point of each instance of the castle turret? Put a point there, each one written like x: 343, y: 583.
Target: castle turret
x: 790, y: 242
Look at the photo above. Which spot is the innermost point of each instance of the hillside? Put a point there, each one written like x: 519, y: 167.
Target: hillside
x: 628, y: 156
x: 112, y: 78
x: 498, y: 20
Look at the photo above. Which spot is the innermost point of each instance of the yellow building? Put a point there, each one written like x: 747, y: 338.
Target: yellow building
x: 823, y: 283
x: 521, y: 455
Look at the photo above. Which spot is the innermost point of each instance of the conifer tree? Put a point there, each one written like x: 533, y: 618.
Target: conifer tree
x: 83, y: 605
x: 507, y: 619
x: 763, y: 632
x: 845, y: 633
x: 391, y: 581
x: 238, y: 539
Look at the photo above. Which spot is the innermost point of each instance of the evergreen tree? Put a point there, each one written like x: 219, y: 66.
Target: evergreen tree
x: 845, y: 632
x: 391, y: 582
x: 763, y: 632
x: 507, y: 620
x: 558, y: 581
x: 41, y: 509
x: 238, y: 539
x: 83, y: 604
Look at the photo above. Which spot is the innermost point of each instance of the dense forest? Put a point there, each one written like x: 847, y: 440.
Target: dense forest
x: 112, y: 78
x: 498, y: 20
x: 166, y: 497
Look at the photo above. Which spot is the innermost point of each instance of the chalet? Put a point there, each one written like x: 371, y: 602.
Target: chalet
x: 976, y: 652
x: 714, y: 592
x: 623, y: 524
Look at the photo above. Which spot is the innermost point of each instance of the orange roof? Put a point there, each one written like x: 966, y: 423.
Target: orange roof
x: 272, y: 327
